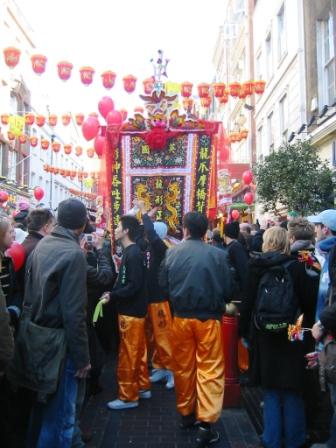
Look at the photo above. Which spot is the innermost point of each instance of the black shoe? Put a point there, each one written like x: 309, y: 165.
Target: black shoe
x: 205, y: 437
x: 187, y: 421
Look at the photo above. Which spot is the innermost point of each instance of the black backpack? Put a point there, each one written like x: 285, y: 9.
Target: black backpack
x: 277, y: 305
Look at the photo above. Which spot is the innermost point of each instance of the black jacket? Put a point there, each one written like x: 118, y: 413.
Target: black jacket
x: 156, y: 253
x: 257, y: 241
x: 129, y: 292
x: 239, y: 259
x: 29, y: 244
x: 57, y: 290
x: 275, y: 361
x: 197, y: 279
x: 328, y: 315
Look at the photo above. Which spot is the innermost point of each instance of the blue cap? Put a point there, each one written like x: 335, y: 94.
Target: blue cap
x: 327, y: 218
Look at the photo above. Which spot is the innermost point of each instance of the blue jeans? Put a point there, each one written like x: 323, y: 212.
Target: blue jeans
x: 52, y: 424
x: 332, y: 441
x: 283, y: 418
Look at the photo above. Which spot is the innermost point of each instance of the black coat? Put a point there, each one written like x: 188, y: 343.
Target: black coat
x: 57, y: 290
x: 275, y: 361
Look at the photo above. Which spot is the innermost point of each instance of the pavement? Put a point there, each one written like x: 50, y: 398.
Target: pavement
x: 154, y: 424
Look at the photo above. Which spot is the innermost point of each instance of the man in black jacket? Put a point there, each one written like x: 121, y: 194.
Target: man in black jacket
x: 129, y: 294
x: 197, y: 278
x: 40, y: 222
x: 159, y: 312
x: 57, y: 288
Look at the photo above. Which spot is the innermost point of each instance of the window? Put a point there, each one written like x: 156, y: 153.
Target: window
x: 32, y: 180
x: 12, y: 156
x: 283, y: 112
x: 326, y: 62
x: 260, y: 144
x: 258, y: 68
x: 333, y: 154
x: 269, y: 57
x: 282, y: 44
x: 270, y: 132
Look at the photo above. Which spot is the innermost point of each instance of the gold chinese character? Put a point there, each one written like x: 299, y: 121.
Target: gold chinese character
x: 201, y: 194
x: 204, y: 153
x: 159, y: 200
x: 203, y: 168
x: 158, y: 184
x: 172, y: 148
x: 159, y: 214
x: 202, y: 180
x: 115, y: 181
x: 145, y: 149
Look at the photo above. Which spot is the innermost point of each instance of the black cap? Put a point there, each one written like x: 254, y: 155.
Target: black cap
x: 232, y: 230
x: 71, y: 214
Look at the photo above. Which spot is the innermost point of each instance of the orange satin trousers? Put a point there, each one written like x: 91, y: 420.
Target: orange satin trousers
x: 198, y: 367
x: 161, y: 323
x: 132, y: 372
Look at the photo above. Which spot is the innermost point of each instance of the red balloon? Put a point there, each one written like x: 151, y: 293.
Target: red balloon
x: 247, y: 177
x: 38, y: 193
x: 105, y: 106
x: 17, y: 254
x: 99, y: 144
x: 114, y: 118
x: 90, y: 128
x: 248, y: 198
x: 3, y: 196
x: 235, y: 214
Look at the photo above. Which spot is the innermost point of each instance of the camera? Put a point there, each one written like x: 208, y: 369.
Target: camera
x: 89, y: 241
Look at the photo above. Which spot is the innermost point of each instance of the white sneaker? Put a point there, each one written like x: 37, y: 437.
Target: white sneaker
x: 145, y: 394
x: 158, y: 375
x: 118, y: 405
x: 170, y: 380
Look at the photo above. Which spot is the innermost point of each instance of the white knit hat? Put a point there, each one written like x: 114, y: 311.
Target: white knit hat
x: 161, y: 229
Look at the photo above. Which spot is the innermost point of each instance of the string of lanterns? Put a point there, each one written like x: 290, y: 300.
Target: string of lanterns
x: 70, y: 173
x: 238, y: 136
x: 64, y: 70
x: 90, y: 196
x: 41, y: 120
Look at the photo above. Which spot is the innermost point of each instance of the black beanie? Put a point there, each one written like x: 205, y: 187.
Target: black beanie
x: 71, y: 214
x: 232, y: 230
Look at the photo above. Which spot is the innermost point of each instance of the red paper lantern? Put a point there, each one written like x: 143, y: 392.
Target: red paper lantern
x: 67, y: 149
x: 39, y: 63
x: 4, y: 196
x: 99, y: 145
x: 90, y: 128
x: 10, y: 136
x: 234, y: 137
x: 123, y: 114
x: 139, y: 110
x: 66, y: 118
x: 242, y: 94
x: 4, y: 119
x: 219, y: 89
x: 12, y: 56
x: 203, y: 90
x: 22, y: 139
x: 85, y: 174
x: 18, y: 255
x: 247, y: 177
x: 78, y: 151
x: 186, y: 89
x: 38, y: 193
x: 33, y: 141
x: 90, y: 152
x: 44, y: 144
x: 248, y: 87
x: 114, y: 119
x: 62, y: 172
x: 244, y: 133
x: 206, y: 102
x: 187, y: 104
x: 86, y: 74
x: 224, y: 99
x: 40, y: 120
x: 105, y: 106
x: 129, y: 83
x: 64, y: 70
x: 259, y: 86
x: 248, y: 198
x: 148, y: 85
x: 234, y: 89
x: 73, y: 174
x: 52, y: 120
x: 108, y: 79
x: 29, y: 119
x: 235, y: 214
x: 79, y: 119
x: 56, y: 147
x: 56, y: 170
